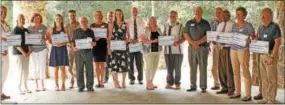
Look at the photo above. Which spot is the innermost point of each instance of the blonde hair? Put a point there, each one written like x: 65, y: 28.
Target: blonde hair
x: 99, y: 11
x: 18, y: 18
x: 148, y: 22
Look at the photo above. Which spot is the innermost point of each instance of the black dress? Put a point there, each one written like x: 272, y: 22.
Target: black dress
x: 154, y: 46
x: 100, y: 50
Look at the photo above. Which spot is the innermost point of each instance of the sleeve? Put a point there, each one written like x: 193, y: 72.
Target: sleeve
x: 186, y: 28
x: 207, y: 28
x: 277, y: 32
x: 92, y: 36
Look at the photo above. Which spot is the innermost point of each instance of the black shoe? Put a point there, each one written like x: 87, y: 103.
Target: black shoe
x: 80, y: 90
x: 203, y: 91
x: 132, y: 82
x: 140, y: 82
x: 90, y: 90
x: 222, y: 92
x: 215, y: 88
x: 258, y: 97
x: 246, y: 98
x: 191, y: 89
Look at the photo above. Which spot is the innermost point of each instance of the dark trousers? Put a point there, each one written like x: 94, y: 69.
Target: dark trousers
x: 226, y: 75
x: 138, y: 58
x: 173, y: 64
x: 84, y: 58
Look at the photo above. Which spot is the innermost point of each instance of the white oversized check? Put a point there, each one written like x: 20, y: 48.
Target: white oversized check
x: 239, y: 39
x: 212, y: 35
x: 100, y: 32
x: 59, y: 38
x: 225, y: 38
x: 34, y: 39
x: 14, y: 40
x: 118, y: 45
x: 135, y: 47
x: 165, y: 40
x: 4, y: 46
x: 259, y: 46
x: 83, y: 43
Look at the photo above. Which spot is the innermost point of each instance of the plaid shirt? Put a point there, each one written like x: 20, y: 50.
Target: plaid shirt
x: 214, y: 24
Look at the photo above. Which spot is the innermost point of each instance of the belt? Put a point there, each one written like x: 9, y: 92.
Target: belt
x: 85, y: 50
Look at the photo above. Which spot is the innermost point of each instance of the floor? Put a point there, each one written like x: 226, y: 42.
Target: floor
x: 132, y: 94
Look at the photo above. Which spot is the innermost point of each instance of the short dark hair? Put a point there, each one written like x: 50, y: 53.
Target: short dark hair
x: 172, y: 11
x: 227, y: 12
x: 72, y: 11
x: 243, y: 10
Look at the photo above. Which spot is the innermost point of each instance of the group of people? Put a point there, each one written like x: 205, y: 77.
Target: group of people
x: 228, y: 60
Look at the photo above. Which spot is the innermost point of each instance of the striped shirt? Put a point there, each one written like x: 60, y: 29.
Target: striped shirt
x: 177, y: 32
x: 245, y: 29
x: 214, y: 25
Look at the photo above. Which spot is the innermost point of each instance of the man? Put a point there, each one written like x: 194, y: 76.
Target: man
x: 215, y: 49
x: 136, y: 29
x: 226, y: 75
x: 270, y: 32
x: 84, y: 57
x: 70, y: 28
x: 4, y: 55
x: 195, y: 34
x: 110, y: 20
x: 173, y: 54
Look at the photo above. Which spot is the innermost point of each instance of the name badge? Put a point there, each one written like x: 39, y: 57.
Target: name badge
x: 192, y: 24
x: 265, y: 35
x: 40, y: 30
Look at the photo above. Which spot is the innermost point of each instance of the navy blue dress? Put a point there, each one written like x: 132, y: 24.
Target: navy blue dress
x: 58, y: 55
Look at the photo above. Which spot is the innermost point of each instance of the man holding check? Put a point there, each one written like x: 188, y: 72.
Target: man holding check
x: 270, y: 32
x: 195, y: 34
x: 136, y: 29
x: 173, y: 53
x: 84, y: 57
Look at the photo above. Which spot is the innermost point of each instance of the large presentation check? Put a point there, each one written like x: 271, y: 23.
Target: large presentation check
x: 59, y: 38
x: 165, y: 40
x: 259, y: 46
x: 100, y: 32
x: 34, y: 39
x: 136, y: 47
x: 83, y: 43
x: 118, y: 45
x: 212, y: 35
x: 225, y: 38
x: 14, y: 40
x: 239, y: 39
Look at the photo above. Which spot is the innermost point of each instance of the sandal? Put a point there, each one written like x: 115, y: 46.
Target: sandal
x: 44, y: 89
x: 63, y: 87
x: 117, y: 85
x: 37, y: 89
x: 57, y: 88
x: 28, y: 91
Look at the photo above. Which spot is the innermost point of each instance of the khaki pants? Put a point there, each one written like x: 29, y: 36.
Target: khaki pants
x: 240, y: 58
x: 215, y: 65
x: 269, y: 78
x: 256, y: 77
x: 152, y: 60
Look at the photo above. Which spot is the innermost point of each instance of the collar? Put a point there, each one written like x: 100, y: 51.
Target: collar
x: 173, y: 24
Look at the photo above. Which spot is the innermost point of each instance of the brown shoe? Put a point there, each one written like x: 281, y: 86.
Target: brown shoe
x: 168, y: 86
x: 215, y: 88
x: 3, y: 97
x: 177, y: 86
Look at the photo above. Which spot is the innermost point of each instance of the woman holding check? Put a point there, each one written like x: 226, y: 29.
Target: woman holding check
x: 100, y: 50
x: 22, y: 54
x: 119, y: 31
x: 39, y: 52
x: 59, y: 55
x: 150, y: 41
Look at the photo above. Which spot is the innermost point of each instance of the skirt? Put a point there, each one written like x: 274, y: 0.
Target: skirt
x: 59, y: 56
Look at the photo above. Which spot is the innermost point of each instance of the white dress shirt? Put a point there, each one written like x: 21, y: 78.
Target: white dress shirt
x: 140, y: 26
x: 228, y: 28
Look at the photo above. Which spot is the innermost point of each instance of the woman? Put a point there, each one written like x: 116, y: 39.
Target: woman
x: 39, y: 52
x: 4, y: 55
x: 22, y: 54
x: 119, y: 30
x: 240, y: 55
x: 100, y: 50
x: 58, y: 54
x: 150, y: 41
